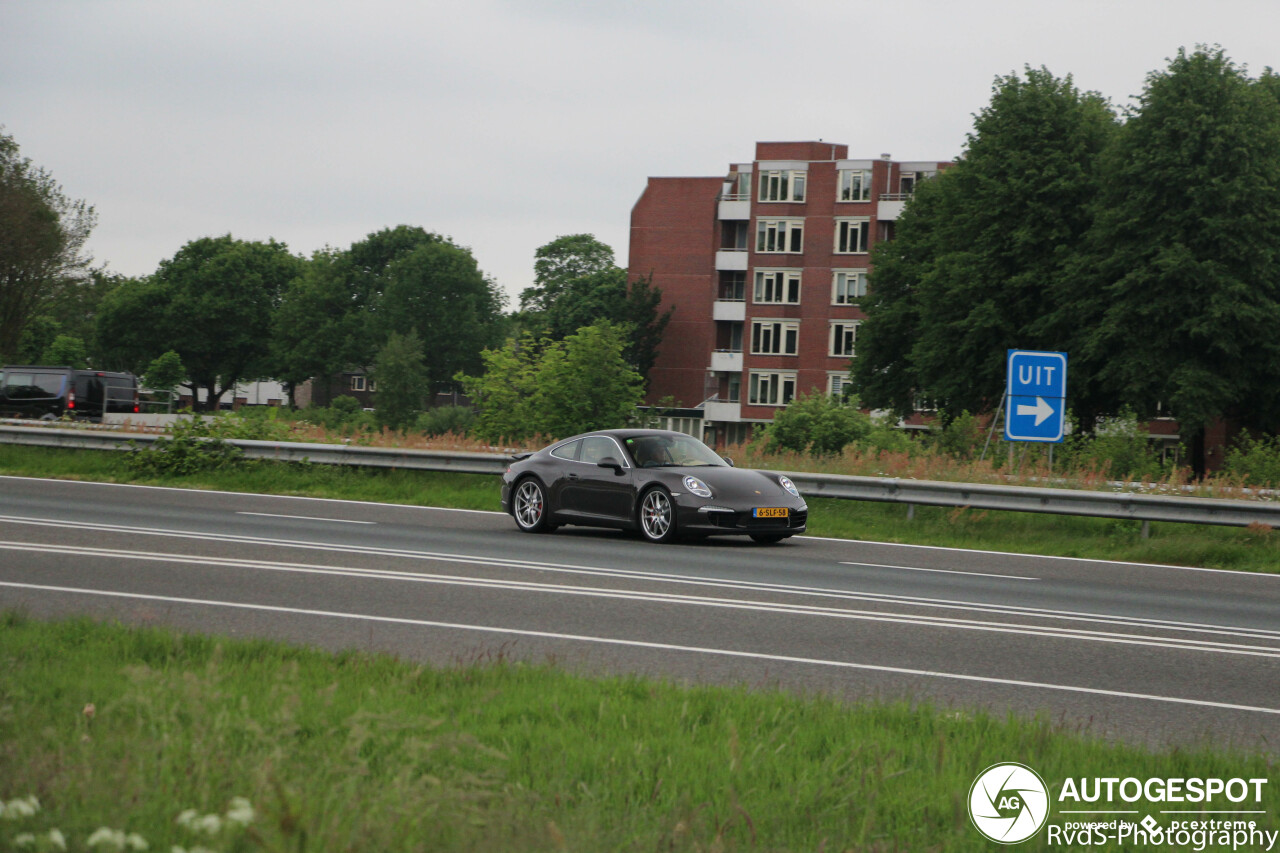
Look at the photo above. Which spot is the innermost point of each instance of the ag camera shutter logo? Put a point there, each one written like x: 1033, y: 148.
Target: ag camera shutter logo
x: 1008, y: 803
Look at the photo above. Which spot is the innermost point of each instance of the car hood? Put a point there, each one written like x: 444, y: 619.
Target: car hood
x: 741, y: 484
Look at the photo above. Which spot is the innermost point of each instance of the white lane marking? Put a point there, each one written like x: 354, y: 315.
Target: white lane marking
x: 671, y: 598
x: 947, y: 571
x: 566, y: 568
x: 642, y: 644
x: 1233, y: 572
x: 267, y: 495
x: 872, y: 542
x: 305, y: 517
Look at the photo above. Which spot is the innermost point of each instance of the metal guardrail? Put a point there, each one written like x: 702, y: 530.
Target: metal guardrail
x: 1122, y: 505
x: 282, y: 451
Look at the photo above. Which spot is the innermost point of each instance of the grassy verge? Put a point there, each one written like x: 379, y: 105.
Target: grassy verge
x: 1248, y: 549
x: 126, y: 728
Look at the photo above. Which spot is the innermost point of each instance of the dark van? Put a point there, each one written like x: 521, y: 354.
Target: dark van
x: 34, y: 391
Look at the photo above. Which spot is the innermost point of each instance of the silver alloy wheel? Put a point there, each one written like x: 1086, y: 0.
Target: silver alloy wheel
x: 656, y: 515
x: 529, y: 505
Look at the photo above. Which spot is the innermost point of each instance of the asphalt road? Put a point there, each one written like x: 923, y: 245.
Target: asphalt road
x: 1152, y: 654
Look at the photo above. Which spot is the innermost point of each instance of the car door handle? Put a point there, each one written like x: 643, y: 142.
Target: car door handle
x: 573, y: 476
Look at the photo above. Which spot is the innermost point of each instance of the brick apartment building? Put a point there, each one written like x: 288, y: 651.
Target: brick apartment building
x: 765, y: 268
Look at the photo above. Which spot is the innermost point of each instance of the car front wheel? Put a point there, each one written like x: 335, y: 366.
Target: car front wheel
x: 657, y: 516
x: 530, y: 507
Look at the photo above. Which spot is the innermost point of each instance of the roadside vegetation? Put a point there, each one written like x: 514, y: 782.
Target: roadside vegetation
x: 141, y: 735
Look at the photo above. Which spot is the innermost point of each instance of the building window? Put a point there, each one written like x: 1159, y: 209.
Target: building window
x: 853, y: 236
x: 357, y: 383
x: 848, y: 287
x: 838, y: 384
x: 771, y: 389
x: 733, y: 389
x: 782, y: 185
x: 733, y: 287
x: 908, y: 181
x: 774, y: 337
x: 777, y: 287
x: 855, y: 185
x: 844, y: 334
x: 780, y: 235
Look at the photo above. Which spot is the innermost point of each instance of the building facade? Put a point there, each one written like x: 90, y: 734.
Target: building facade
x: 766, y: 269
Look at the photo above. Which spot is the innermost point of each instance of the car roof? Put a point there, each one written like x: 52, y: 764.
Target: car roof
x: 630, y: 433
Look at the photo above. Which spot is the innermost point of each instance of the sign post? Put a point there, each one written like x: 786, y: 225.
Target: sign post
x: 1036, y: 391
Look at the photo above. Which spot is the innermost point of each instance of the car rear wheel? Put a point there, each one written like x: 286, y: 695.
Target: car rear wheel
x: 530, y: 507
x: 657, y: 516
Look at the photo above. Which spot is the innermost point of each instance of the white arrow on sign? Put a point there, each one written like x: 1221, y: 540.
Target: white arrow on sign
x: 1041, y: 410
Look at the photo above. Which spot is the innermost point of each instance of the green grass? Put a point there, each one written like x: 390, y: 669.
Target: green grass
x: 367, y: 753
x: 1254, y: 550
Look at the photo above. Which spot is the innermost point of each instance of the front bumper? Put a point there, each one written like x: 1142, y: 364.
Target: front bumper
x: 722, y: 521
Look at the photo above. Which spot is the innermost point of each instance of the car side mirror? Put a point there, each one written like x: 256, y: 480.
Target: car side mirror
x: 727, y: 461
x: 610, y: 462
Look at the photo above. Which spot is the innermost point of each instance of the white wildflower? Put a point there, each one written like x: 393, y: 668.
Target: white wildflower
x: 57, y: 839
x: 210, y: 823
x: 22, y: 839
x: 186, y: 818
x: 114, y: 838
x: 135, y: 841
x: 241, y: 811
x: 20, y: 808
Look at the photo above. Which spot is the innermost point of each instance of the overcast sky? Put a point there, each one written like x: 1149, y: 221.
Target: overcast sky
x: 507, y: 123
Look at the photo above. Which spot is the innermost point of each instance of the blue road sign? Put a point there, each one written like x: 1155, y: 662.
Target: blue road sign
x: 1036, y: 407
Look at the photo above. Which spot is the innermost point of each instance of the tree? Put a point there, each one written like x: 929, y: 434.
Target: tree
x: 555, y: 388
x: 42, y: 237
x: 577, y: 283
x: 402, y: 378
x: 437, y: 291
x: 560, y: 262
x: 344, y: 308
x: 164, y: 374
x: 972, y: 269
x: 322, y: 324
x: 66, y: 350
x: 1183, y: 267
x: 212, y: 303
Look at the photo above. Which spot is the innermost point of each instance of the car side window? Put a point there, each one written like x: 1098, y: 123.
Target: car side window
x: 568, y: 450
x: 596, y: 448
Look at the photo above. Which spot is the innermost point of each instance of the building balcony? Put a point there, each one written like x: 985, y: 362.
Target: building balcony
x: 890, y: 205
x: 729, y: 309
x: 714, y: 410
x: 732, y: 260
x: 734, y: 207
x: 726, y: 361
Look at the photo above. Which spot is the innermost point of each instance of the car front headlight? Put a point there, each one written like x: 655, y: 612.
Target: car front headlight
x: 786, y: 483
x: 697, y: 487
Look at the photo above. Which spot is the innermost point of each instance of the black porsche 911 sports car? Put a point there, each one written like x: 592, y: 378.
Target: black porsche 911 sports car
x: 663, y: 484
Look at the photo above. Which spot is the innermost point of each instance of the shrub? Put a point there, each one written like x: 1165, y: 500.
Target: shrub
x: 1255, y: 461
x: 192, y: 449
x: 445, y: 419
x: 817, y: 423
x: 1119, y: 447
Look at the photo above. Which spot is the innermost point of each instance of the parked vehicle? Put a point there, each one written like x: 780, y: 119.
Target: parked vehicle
x: 663, y: 484
x: 48, y: 393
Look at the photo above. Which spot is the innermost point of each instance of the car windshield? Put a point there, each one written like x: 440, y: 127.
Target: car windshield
x: 665, y: 451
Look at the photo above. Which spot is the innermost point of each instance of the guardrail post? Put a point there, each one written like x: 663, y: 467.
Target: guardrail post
x: 1146, y: 529
x: 911, y: 512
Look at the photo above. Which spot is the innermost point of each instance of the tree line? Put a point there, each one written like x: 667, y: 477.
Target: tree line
x: 1143, y: 242
x: 411, y: 308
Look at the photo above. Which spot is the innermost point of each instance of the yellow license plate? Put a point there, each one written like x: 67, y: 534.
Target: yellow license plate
x: 770, y: 512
